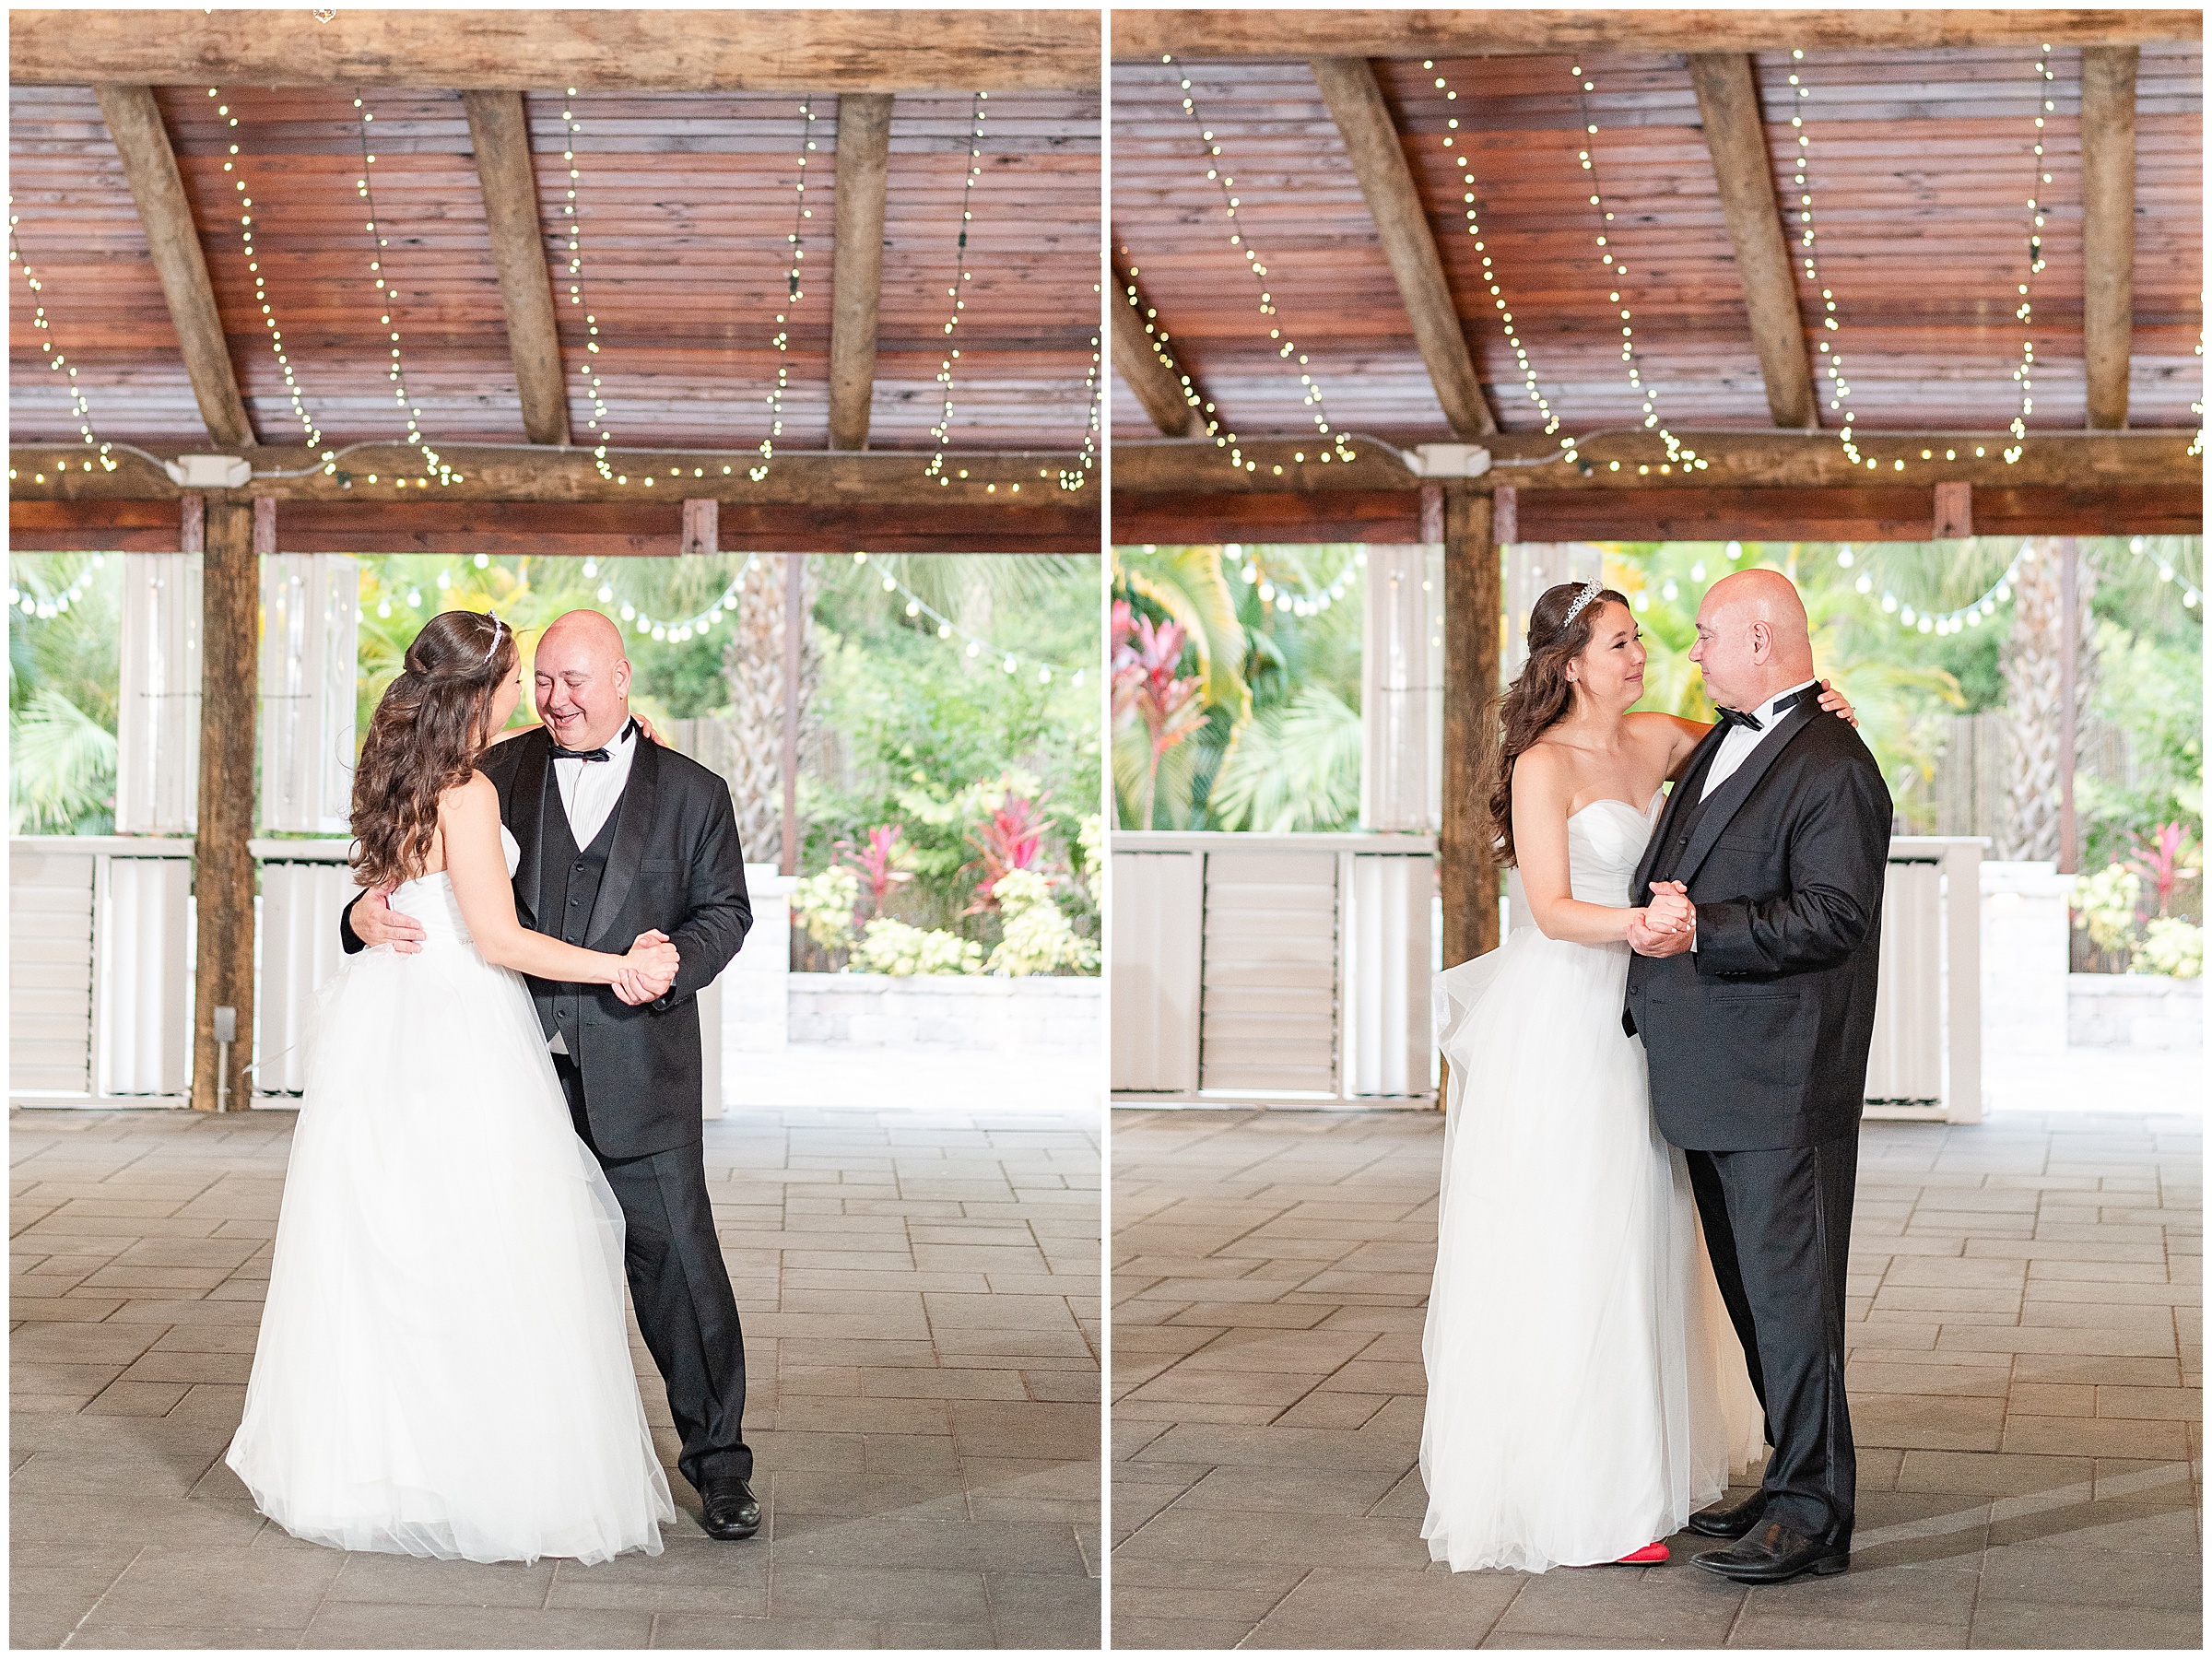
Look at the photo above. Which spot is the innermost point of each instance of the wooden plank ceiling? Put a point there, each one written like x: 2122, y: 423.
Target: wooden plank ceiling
x: 1920, y: 167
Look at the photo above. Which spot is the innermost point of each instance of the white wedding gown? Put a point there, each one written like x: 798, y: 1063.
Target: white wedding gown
x: 1586, y: 1391
x: 443, y: 1367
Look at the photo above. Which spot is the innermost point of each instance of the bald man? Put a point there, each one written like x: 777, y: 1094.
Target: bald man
x: 618, y: 837
x: 1755, y: 1022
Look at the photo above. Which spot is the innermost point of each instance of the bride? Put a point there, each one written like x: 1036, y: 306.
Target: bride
x: 1587, y: 1391
x: 443, y: 1367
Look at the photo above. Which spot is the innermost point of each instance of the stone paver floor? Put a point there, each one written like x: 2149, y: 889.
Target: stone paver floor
x: 2025, y: 1383
x: 919, y: 1293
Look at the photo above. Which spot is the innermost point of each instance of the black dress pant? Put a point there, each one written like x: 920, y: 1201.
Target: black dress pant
x: 680, y: 1288
x: 1778, y: 1226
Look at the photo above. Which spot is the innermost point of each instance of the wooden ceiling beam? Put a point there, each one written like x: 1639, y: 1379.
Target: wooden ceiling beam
x: 1633, y: 460
x: 1735, y: 136
x: 1394, y: 201
x: 2108, y: 228
x: 1137, y: 361
x: 1278, y: 34
x: 499, y: 131
x: 864, y: 155
x: 149, y: 162
x: 602, y: 51
x: 980, y: 483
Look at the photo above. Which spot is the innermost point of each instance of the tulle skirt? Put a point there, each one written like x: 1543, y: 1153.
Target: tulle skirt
x: 1586, y: 1391
x: 443, y: 1367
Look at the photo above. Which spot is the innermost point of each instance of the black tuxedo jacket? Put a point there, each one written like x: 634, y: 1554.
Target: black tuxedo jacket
x: 676, y: 866
x: 1758, y: 1039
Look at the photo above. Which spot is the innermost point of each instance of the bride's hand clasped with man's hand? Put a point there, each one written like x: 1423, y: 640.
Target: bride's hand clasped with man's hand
x: 649, y: 969
x: 1665, y: 926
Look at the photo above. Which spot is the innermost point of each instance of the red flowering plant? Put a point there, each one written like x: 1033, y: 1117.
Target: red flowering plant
x: 1012, y: 838
x: 1148, y: 689
x: 2165, y: 859
x: 883, y: 864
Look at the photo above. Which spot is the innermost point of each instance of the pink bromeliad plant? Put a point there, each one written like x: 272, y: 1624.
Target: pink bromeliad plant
x: 884, y: 863
x: 1011, y: 838
x: 2164, y: 858
x: 1147, y: 688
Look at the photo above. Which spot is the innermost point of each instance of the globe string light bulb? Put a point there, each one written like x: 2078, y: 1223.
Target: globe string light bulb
x: 263, y: 307
x: 976, y: 646
x: 1678, y: 453
x: 1285, y: 348
x: 388, y: 298
x: 57, y: 362
x: 956, y: 293
x: 1492, y: 274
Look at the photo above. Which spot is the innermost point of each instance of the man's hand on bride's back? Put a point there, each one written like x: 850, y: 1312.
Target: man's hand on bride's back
x: 378, y: 924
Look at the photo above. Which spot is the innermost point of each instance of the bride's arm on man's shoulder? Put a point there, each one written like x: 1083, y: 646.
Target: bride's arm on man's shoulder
x: 1671, y: 738
x: 468, y: 821
x: 1542, y: 795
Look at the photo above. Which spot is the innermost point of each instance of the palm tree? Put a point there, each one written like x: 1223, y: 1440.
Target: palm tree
x: 1297, y: 769
x: 2033, y: 661
x: 753, y: 664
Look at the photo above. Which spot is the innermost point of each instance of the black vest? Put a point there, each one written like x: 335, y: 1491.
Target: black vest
x: 569, y: 888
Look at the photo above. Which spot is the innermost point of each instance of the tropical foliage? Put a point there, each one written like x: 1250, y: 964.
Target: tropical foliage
x: 62, y: 675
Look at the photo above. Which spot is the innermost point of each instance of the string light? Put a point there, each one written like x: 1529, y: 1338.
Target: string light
x: 1312, y: 600
x: 1157, y: 337
x: 1075, y: 478
x: 1830, y: 359
x: 1491, y: 275
x: 942, y: 432
x: 1678, y: 453
x: 1941, y: 622
x: 2191, y: 595
x: 977, y: 646
x: 793, y: 294
x: 594, y: 391
x: 21, y: 598
x: 260, y: 292
x: 432, y: 465
x: 1285, y: 348
x: 79, y: 405
x: 689, y: 628
x: 2025, y: 373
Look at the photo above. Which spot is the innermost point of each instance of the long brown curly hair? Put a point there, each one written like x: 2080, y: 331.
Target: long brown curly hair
x: 434, y: 720
x: 1541, y: 693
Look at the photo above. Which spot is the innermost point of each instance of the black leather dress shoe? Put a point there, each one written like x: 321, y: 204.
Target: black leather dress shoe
x: 1774, y: 1555
x: 728, y: 1509
x: 1723, y: 1521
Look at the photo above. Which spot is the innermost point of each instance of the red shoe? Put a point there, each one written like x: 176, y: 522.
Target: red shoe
x: 1651, y: 1555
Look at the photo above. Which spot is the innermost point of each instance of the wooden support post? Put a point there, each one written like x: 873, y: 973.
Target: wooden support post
x: 2108, y: 227
x: 1466, y: 862
x: 499, y: 131
x: 702, y: 533
x: 1505, y: 515
x: 864, y: 155
x: 172, y: 241
x: 1137, y: 361
x: 1394, y: 201
x: 2069, y: 638
x: 1736, y: 137
x: 222, y: 865
x: 1954, y: 511
x: 795, y: 635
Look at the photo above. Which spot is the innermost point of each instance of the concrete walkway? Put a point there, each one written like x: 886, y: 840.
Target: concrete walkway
x: 919, y: 1293
x: 2025, y: 1384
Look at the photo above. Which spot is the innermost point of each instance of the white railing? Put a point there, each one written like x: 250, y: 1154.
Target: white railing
x: 1295, y: 970
x: 100, y: 951
x: 1272, y: 968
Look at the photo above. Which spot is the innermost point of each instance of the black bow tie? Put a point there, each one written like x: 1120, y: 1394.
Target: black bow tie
x: 1752, y: 723
x: 598, y: 754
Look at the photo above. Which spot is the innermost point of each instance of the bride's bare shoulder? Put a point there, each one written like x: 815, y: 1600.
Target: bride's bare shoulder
x: 471, y: 798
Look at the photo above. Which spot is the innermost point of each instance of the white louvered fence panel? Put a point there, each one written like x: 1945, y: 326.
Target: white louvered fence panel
x: 49, y: 973
x: 1386, y: 975
x: 299, y: 951
x: 1905, y: 1063
x: 143, y: 953
x: 1268, y: 1002
x: 1158, y: 902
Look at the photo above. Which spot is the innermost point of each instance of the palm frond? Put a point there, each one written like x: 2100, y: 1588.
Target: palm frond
x: 60, y: 766
x: 1296, y: 768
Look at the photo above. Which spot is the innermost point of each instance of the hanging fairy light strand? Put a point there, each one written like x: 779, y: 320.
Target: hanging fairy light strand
x: 942, y: 432
x: 1913, y: 620
x: 260, y: 292
x: 1678, y: 453
x: 1158, y: 339
x: 586, y: 369
x: 793, y: 294
x: 2192, y: 594
x: 432, y: 465
x: 1492, y: 275
x: 56, y: 361
x: 1338, y: 448
x: 1831, y: 360
x: 977, y: 647
x: 1075, y: 477
x: 1309, y: 601
x: 2025, y: 373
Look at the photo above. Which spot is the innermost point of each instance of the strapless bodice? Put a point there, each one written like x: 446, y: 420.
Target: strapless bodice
x: 430, y: 900
x: 1604, y: 844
